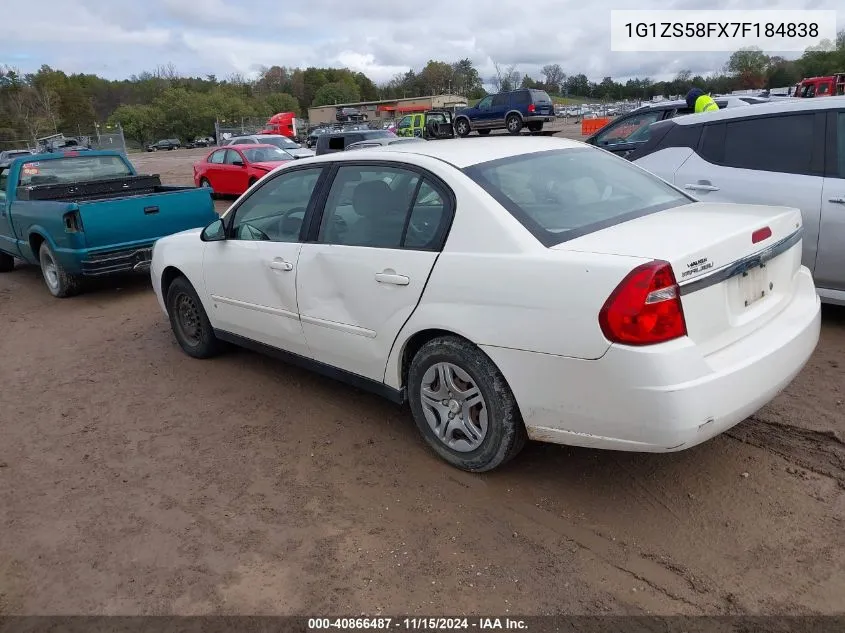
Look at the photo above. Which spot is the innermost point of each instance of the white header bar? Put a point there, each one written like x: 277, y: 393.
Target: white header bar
x: 719, y: 31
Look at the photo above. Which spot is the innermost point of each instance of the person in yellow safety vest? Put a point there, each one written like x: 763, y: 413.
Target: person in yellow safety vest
x: 700, y: 102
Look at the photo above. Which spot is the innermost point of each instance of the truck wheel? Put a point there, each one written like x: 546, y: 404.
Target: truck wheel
x: 7, y: 263
x: 463, y: 405
x: 483, y: 132
x: 189, y: 321
x: 514, y: 124
x: 462, y: 127
x: 59, y: 282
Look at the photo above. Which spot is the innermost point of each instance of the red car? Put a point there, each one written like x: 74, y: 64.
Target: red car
x: 233, y: 169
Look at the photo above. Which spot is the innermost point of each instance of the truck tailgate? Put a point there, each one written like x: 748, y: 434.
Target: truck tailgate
x: 145, y: 218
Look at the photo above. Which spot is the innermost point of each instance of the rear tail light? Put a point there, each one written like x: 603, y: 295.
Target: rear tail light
x: 761, y: 234
x: 532, y: 107
x: 72, y: 221
x: 645, y: 308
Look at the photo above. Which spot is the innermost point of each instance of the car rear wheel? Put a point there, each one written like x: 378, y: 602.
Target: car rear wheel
x: 483, y: 132
x: 463, y: 406
x: 59, y: 282
x: 462, y: 127
x: 189, y: 321
x: 7, y: 263
x: 252, y: 181
x: 514, y: 124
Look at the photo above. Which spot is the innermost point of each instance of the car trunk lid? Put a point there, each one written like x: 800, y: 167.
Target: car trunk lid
x: 735, y: 264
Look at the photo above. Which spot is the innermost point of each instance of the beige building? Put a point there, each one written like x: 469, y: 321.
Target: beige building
x: 387, y: 109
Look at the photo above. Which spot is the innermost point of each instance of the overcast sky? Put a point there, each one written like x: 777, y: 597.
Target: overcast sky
x: 118, y: 38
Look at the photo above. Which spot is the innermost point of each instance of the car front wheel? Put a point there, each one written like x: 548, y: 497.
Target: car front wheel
x: 189, y: 321
x: 463, y: 406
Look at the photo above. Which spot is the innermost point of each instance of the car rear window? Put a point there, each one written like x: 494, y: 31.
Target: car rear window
x: 559, y: 195
x: 72, y: 169
x: 540, y: 96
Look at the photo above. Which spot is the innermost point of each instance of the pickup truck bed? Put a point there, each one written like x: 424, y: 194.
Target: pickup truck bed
x: 74, y: 225
x: 45, y: 188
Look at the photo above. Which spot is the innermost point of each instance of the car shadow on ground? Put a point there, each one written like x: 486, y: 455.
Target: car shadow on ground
x: 132, y: 283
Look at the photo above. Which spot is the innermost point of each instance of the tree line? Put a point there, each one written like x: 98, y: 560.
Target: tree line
x: 163, y: 103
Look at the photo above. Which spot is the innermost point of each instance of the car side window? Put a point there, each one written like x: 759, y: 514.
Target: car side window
x: 336, y: 142
x: 840, y: 142
x: 276, y: 209
x: 218, y: 156
x: 634, y: 129
x: 521, y: 97
x: 232, y: 156
x: 500, y: 99
x: 4, y: 180
x: 367, y: 206
x: 484, y: 104
x: 778, y: 144
x: 428, y: 221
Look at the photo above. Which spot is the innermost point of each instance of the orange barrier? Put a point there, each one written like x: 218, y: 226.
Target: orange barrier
x: 590, y: 126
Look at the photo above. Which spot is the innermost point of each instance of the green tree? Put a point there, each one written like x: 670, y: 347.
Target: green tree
x: 140, y: 123
x: 278, y: 102
x: 749, y: 66
x: 336, y: 92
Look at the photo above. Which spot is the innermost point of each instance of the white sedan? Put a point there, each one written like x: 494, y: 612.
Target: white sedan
x: 508, y: 289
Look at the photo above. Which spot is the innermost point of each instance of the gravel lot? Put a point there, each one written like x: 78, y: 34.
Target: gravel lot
x: 134, y: 480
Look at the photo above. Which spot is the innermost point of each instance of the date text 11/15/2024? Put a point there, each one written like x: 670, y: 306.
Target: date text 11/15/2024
x: 379, y: 623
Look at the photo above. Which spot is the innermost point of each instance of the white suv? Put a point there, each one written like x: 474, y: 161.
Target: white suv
x: 789, y: 153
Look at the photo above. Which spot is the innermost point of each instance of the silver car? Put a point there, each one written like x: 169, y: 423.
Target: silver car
x: 280, y: 141
x: 786, y: 152
x: 382, y: 142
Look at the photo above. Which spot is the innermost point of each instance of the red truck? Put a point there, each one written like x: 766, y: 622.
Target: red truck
x: 831, y: 85
x: 283, y: 123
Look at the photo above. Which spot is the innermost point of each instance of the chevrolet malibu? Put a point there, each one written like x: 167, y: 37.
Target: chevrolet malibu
x: 507, y: 289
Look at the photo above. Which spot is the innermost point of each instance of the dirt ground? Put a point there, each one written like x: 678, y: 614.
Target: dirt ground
x: 135, y: 480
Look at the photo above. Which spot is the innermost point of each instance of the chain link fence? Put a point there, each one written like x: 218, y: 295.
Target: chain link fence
x: 101, y: 138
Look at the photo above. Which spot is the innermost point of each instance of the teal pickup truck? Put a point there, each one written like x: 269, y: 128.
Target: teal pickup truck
x: 89, y: 214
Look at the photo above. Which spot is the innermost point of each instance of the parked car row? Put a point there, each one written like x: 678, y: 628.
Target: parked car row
x: 509, y: 289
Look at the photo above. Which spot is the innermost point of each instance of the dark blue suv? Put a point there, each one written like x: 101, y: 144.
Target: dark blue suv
x: 509, y: 111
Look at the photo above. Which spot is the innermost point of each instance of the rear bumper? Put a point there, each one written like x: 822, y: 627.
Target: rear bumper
x: 128, y: 258
x: 135, y: 259
x: 665, y: 398
x: 538, y: 118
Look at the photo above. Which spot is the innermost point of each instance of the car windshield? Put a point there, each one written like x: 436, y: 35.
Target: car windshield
x: 380, y: 134
x: 279, y: 141
x: 265, y: 154
x: 73, y: 169
x: 561, y: 194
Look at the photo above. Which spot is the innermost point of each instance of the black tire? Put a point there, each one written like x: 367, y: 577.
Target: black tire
x: 59, y: 282
x: 535, y: 127
x: 204, y: 182
x: 200, y: 341
x: 462, y: 127
x: 483, y: 132
x: 505, y: 435
x: 514, y: 123
x: 7, y: 263
x: 252, y: 181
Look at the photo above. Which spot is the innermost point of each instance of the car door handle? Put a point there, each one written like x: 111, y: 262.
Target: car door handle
x: 837, y: 200
x: 700, y: 187
x: 390, y: 277
x: 280, y: 264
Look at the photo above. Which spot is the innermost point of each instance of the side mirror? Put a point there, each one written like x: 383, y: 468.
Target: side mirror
x: 214, y: 232
x: 238, y: 163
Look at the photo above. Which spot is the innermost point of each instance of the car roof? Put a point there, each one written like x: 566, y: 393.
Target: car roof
x: 762, y: 109
x: 462, y: 153
x: 254, y: 145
